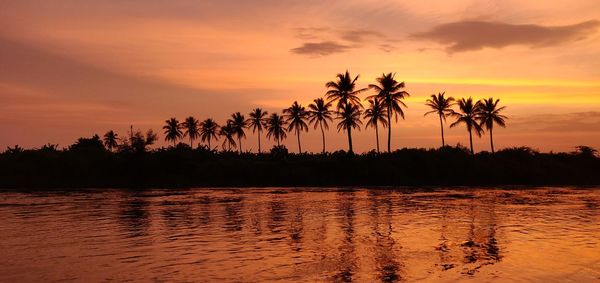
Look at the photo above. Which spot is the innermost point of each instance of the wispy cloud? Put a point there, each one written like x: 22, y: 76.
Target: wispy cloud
x: 474, y: 35
x: 318, y: 49
x: 569, y: 122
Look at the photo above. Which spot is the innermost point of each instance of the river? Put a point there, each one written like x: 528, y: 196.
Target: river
x: 301, y: 235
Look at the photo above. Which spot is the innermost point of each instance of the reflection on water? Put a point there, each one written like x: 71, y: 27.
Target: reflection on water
x: 301, y: 235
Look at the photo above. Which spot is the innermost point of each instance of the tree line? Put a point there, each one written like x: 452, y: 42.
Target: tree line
x: 342, y: 103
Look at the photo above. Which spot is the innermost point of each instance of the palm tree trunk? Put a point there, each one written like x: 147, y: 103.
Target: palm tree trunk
x: 389, y: 114
x: 191, y: 142
x: 240, y: 143
x: 298, y: 135
x: 377, y: 136
x: 209, y: 148
x: 278, y: 143
x: 350, y: 140
x: 471, y: 142
x: 442, y: 127
x: 491, y: 140
x: 259, y: 141
x: 323, y: 135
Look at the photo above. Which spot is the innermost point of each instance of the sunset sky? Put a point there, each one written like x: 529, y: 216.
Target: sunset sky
x: 75, y: 68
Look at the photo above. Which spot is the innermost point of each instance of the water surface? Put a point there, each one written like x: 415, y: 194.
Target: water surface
x: 301, y: 235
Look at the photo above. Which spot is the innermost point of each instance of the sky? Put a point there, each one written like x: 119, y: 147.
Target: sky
x: 76, y: 68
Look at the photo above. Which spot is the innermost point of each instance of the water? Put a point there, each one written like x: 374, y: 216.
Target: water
x: 301, y: 235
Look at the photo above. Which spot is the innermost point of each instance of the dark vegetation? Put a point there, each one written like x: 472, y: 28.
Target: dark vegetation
x: 87, y: 163
x: 117, y: 161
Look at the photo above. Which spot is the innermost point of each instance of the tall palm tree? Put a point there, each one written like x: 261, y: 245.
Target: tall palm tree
x: 257, y: 122
x: 295, y: 116
x: 442, y: 107
x: 190, y: 125
x: 349, y: 117
x: 490, y: 114
x: 390, y: 92
x: 276, y: 128
x: 173, y: 130
x: 110, y: 140
x: 468, y: 113
x: 375, y: 114
x: 208, y: 131
x: 238, y: 124
x: 319, y: 114
x: 227, y: 132
x: 343, y: 90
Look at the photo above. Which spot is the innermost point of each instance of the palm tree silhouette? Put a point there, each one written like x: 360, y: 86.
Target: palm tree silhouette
x: 172, y: 130
x: 390, y: 92
x: 191, y: 129
x: 375, y: 114
x: 238, y: 124
x: 349, y: 118
x: 319, y: 114
x: 490, y: 114
x: 468, y: 113
x: 276, y: 128
x: 110, y: 140
x: 227, y: 132
x: 441, y: 106
x: 208, y: 131
x: 295, y: 116
x: 343, y: 90
x: 257, y: 122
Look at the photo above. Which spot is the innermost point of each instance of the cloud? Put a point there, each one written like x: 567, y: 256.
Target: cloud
x: 475, y: 35
x: 318, y: 49
x: 360, y: 36
x: 568, y: 122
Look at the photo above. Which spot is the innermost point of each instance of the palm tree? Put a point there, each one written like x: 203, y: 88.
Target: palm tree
x: 442, y: 107
x: 490, y: 114
x: 110, y: 140
x: 172, y: 130
x: 375, y: 114
x: 238, y: 124
x: 343, y: 90
x: 276, y: 128
x: 468, y: 113
x: 295, y: 115
x: 390, y: 92
x: 319, y: 114
x: 349, y: 118
x: 257, y: 122
x: 227, y: 132
x: 208, y: 131
x: 191, y: 129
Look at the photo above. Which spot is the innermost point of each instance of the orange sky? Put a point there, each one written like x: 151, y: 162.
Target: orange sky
x: 75, y: 68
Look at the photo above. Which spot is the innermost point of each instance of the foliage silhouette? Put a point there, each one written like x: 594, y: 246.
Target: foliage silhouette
x: 296, y: 116
x: 276, y: 128
x: 209, y: 130
x: 489, y: 114
x: 319, y: 115
x: 349, y: 117
x: 87, y: 164
x: 257, y: 122
x: 375, y: 114
x: 442, y: 107
x: 191, y: 127
x: 173, y: 131
x: 390, y: 92
x: 468, y: 114
x: 343, y: 90
x: 227, y: 132
x: 111, y: 140
x: 238, y: 124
